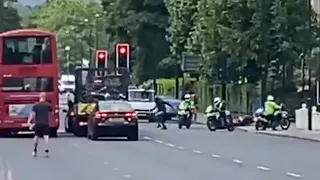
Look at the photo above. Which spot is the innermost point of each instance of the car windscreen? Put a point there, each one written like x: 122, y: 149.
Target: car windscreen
x: 114, y: 106
x: 68, y: 82
x: 144, y: 96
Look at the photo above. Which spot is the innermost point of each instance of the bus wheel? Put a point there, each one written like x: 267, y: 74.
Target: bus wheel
x: 53, y: 132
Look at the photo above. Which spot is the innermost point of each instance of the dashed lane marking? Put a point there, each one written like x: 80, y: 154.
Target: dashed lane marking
x: 197, y: 152
x: 263, y: 168
x: 105, y: 162
x: 76, y: 145
x: 237, y: 161
x: 115, y: 169
x: 127, y: 176
x: 295, y: 175
x: 215, y: 156
x: 170, y: 145
x: 180, y: 147
x: 147, y: 138
x: 158, y: 141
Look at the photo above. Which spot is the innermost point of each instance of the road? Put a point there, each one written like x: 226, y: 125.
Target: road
x: 173, y: 154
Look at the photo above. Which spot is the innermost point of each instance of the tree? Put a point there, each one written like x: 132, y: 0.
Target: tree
x: 76, y: 24
x: 11, y: 19
x: 142, y: 23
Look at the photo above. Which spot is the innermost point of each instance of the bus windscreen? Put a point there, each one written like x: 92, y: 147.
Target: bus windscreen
x: 27, y: 84
x: 26, y: 51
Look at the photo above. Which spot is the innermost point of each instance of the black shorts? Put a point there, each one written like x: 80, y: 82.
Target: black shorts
x: 42, y: 130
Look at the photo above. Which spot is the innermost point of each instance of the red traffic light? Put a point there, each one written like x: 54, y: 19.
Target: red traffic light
x: 123, y: 49
x: 101, y: 55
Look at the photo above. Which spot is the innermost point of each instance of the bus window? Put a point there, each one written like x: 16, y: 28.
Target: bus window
x: 26, y: 50
x: 22, y: 84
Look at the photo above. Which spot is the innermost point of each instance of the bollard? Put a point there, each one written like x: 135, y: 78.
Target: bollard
x: 309, y: 114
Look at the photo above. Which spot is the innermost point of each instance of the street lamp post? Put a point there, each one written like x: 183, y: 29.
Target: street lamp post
x: 67, y: 58
x: 96, y: 30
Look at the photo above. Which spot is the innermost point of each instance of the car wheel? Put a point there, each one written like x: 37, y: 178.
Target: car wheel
x: 134, y: 134
x: 78, y: 130
x: 53, y: 132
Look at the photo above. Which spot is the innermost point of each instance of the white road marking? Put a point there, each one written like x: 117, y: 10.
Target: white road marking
x: 295, y: 175
x: 2, y: 170
x: 197, y: 152
x: 147, y: 138
x: 127, y: 176
x: 216, y: 156
x: 237, y: 161
x: 263, y: 168
x: 158, y: 141
x: 75, y: 144
x: 115, y: 169
x: 180, y: 147
x: 170, y: 145
x: 105, y: 162
x: 9, y: 171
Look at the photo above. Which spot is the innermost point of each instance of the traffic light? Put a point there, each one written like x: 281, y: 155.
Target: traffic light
x: 101, y: 60
x: 123, y: 56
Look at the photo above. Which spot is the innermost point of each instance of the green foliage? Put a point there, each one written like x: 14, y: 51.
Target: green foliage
x: 141, y: 23
x: 11, y: 19
x: 77, y: 24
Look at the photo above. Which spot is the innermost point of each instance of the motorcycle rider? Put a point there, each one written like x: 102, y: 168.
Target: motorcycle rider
x: 272, y: 111
x: 217, y: 106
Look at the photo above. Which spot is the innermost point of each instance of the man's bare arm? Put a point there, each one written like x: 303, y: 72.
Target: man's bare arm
x: 31, y: 117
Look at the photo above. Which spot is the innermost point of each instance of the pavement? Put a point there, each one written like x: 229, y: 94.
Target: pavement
x: 292, y: 132
x: 185, y: 154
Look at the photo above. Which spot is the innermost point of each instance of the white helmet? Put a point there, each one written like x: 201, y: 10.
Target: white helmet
x: 216, y: 100
x: 270, y: 98
x: 187, y: 96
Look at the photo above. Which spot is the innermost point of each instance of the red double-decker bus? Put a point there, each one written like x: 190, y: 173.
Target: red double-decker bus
x: 28, y: 66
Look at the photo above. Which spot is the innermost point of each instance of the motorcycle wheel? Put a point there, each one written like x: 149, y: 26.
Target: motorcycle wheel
x: 230, y: 125
x: 285, y: 124
x: 211, y: 124
x: 260, y: 125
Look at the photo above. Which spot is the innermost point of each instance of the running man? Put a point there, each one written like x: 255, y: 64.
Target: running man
x: 40, y: 115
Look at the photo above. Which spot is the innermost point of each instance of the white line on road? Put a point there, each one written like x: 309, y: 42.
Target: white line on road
x: 295, y: 175
x: 9, y: 171
x: 127, y: 176
x: 237, y: 161
x: 75, y: 144
x: 115, y: 169
x: 158, y: 141
x: 216, y: 156
x: 170, y: 145
x: 197, y: 152
x: 2, y: 170
x: 105, y: 162
x: 147, y: 138
x: 180, y: 147
x: 263, y: 168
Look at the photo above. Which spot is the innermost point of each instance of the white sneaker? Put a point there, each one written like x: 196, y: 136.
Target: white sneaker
x: 34, y: 154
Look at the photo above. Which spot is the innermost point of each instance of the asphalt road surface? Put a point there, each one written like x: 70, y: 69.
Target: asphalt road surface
x: 173, y: 154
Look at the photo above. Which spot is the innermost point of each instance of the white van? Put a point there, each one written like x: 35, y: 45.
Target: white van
x: 67, y: 83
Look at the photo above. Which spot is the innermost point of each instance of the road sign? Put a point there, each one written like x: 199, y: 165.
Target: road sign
x: 190, y: 63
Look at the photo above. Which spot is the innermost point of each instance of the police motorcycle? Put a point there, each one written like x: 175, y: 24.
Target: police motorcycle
x: 262, y: 122
x: 219, y: 120
x: 184, y: 115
